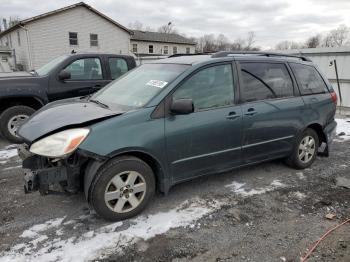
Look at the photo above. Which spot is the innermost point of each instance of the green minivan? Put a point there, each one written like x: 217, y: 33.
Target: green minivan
x: 176, y: 119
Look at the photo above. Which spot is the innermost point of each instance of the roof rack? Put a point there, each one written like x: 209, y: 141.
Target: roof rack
x: 177, y: 55
x: 268, y: 54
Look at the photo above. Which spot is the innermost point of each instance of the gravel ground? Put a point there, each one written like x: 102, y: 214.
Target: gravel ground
x: 267, y: 212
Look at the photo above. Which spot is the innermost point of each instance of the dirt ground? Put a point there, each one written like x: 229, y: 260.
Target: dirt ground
x: 267, y: 212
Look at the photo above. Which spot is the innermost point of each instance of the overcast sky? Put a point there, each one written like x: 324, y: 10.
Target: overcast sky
x: 272, y: 20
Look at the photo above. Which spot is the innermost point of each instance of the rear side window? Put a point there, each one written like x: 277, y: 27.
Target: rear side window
x: 265, y: 81
x: 309, y: 80
x: 118, y: 67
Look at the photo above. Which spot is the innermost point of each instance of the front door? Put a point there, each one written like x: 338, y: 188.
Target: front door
x: 271, y: 110
x: 208, y: 140
x: 87, y: 76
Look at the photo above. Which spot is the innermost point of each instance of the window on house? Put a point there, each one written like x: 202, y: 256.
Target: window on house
x: 134, y: 48
x: 175, y: 50
x: 165, y: 50
x: 150, y: 49
x: 19, y: 38
x: 187, y: 50
x: 73, y: 38
x: 93, y: 40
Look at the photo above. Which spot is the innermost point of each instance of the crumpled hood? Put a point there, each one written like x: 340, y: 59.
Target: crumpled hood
x: 60, y: 114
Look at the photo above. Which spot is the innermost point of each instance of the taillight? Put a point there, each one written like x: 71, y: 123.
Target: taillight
x: 334, y: 97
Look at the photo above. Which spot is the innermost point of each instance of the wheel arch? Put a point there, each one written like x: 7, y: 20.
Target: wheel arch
x: 162, y: 183
x: 31, y: 101
x: 319, y: 130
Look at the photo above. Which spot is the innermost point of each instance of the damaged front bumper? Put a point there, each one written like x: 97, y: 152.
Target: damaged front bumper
x: 41, y: 172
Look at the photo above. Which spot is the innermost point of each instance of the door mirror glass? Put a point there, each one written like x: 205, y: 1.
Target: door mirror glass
x: 64, y: 75
x: 182, y: 106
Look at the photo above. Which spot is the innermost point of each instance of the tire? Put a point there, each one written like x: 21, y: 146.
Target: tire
x: 8, y: 119
x: 299, y: 161
x: 109, y: 188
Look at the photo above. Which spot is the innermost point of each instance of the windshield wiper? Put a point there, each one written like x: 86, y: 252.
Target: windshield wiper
x: 99, y: 103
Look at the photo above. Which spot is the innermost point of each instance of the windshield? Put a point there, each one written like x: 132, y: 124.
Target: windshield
x: 45, y: 69
x: 139, y: 86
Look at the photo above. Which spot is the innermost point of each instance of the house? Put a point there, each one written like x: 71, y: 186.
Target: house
x: 5, y: 59
x: 145, y: 43
x: 79, y: 27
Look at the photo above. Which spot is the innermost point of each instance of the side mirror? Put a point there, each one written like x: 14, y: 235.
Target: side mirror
x: 64, y: 75
x: 182, y: 106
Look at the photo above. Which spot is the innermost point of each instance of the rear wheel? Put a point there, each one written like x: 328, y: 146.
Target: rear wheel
x: 11, y: 119
x: 122, y: 188
x: 305, y: 150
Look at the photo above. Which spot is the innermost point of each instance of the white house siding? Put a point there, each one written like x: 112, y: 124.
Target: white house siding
x: 49, y: 37
x: 21, y: 49
x: 158, y: 48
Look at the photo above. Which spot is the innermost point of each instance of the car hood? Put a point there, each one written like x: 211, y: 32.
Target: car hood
x: 23, y: 86
x: 63, y: 114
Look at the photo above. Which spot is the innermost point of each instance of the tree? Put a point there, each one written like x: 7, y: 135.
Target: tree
x: 286, y: 45
x: 313, y: 41
x: 336, y: 37
x: 250, y: 40
x: 167, y: 29
x: 137, y: 25
x: 222, y: 42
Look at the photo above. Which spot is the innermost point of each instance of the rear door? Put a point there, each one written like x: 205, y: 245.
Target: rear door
x: 116, y: 67
x: 208, y: 140
x: 271, y: 110
x: 87, y: 76
x: 319, y: 105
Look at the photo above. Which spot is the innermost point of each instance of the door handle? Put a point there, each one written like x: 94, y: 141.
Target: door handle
x: 251, y: 111
x: 232, y: 115
x: 97, y: 86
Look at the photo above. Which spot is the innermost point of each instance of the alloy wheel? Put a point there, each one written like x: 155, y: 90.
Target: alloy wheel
x: 307, y: 149
x: 125, y: 191
x: 15, y: 122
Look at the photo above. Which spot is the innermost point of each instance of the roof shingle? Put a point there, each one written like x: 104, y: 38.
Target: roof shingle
x: 160, y: 37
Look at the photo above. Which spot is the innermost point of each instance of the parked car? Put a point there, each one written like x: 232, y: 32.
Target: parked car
x: 177, y: 119
x: 64, y: 77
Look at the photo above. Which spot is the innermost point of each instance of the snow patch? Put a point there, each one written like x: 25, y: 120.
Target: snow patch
x: 343, y: 126
x: 99, y: 243
x: 11, y: 167
x: 8, y: 153
x: 35, y: 230
x: 299, y: 195
x: 300, y: 175
x: 239, y: 189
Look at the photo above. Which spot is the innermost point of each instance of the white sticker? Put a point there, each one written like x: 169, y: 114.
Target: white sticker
x: 157, y: 83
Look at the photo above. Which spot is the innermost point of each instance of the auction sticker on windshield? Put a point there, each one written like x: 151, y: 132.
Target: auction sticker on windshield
x: 157, y: 83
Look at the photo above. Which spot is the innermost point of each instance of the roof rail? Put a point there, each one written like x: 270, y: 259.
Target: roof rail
x: 258, y: 53
x: 177, y: 55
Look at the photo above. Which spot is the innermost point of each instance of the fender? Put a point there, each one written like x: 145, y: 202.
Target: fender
x: 95, y: 165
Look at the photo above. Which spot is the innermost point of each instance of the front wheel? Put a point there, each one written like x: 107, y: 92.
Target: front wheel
x: 11, y: 119
x: 305, y: 150
x: 122, y: 188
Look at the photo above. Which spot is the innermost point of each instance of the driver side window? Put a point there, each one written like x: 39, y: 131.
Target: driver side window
x: 85, y: 69
x: 209, y: 88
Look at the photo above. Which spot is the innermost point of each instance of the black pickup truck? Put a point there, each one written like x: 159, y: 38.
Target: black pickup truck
x: 64, y: 77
